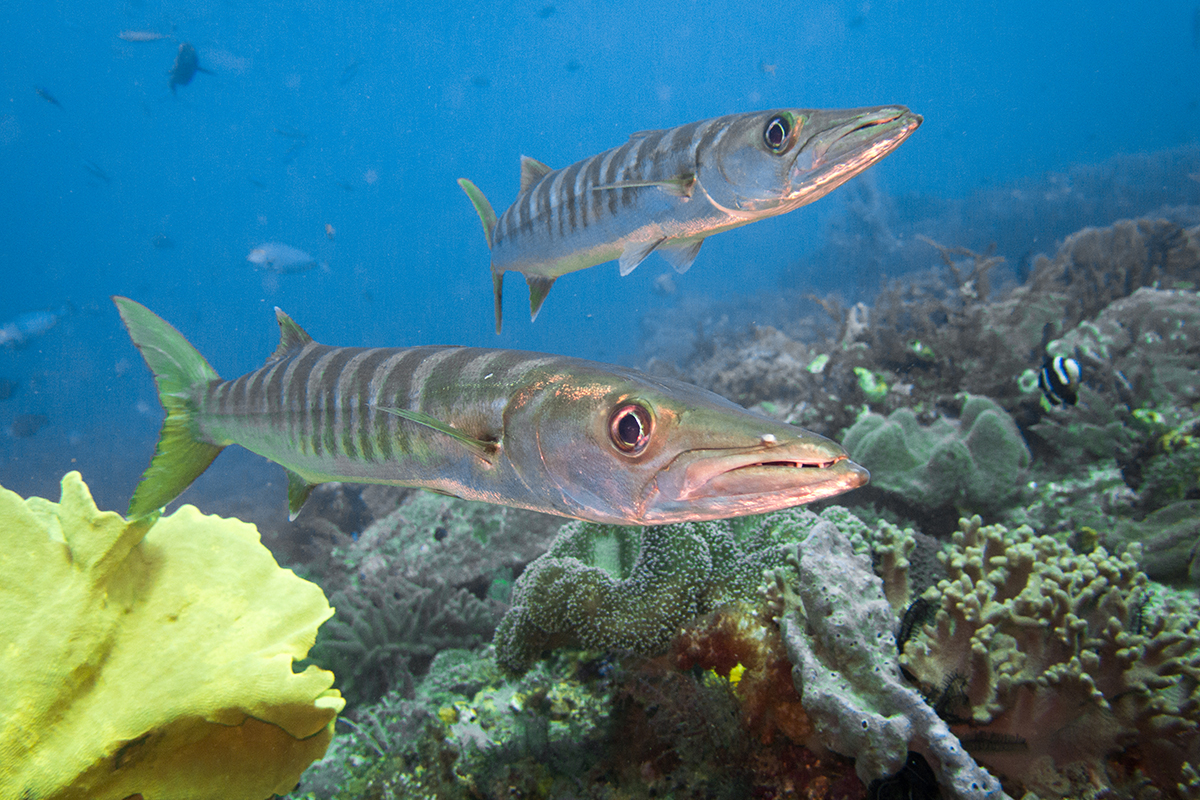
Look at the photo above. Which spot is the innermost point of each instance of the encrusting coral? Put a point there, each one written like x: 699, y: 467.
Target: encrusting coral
x: 1060, y: 670
x: 839, y: 637
x: 152, y: 658
x: 975, y: 462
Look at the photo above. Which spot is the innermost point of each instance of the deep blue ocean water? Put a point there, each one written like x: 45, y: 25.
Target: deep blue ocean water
x: 362, y: 115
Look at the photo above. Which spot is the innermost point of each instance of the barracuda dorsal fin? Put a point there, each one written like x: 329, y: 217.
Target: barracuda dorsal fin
x: 485, y: 450
x: 291, y: 335
x: 539, y: 287
x: 683, y: 186
x: 532, y: 171
x: 487, y: 217
x: 681, y: 256
x: 635, y: 253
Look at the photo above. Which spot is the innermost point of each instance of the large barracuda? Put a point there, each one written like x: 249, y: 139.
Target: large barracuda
x: 666, y: 191
x: 542, y: 432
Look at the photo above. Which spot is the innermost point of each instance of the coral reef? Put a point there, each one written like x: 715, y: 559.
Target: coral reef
x: 623, y: 588
x: 1064, y: 673
x: 434, y: 573
x: 389, y: 628
x: 975, y: 462
x: 839, y: 636
x: 152, y: 657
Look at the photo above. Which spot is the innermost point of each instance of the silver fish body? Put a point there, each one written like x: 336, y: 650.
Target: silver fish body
x: 666, y: 191
x: 548, y: 433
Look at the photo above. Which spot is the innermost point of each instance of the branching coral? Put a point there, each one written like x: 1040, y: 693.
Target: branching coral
x: 389, y: 628
x: 1052, y: 664
x: 152, y: 658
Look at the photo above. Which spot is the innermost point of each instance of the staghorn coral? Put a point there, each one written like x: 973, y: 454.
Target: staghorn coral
x: 152, y: 657
x: 624, y: 588
x: 1053, y: 663
x: 975, y: 462
x: 839, y: 637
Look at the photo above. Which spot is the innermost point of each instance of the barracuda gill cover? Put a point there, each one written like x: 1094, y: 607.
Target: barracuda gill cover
x: 665, y: 191
x: 542, y: 432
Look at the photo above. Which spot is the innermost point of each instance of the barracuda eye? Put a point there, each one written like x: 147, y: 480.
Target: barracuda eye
x: 775, y: 135
x: 629, y: 428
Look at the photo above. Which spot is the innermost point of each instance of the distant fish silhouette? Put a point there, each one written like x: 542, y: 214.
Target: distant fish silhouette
x: 277, y: 257
x: 187, y: 64
x: 95, y: 171
x: 49, y: 98
x: 143, y: 36
x: 7, y: 388
x: 26, y: 425
x: 349, y: 73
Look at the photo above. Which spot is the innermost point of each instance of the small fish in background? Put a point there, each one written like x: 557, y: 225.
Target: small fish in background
x: 281, y: 258
x: 161, y: 241
x: 25, y: 425
x: 481, y: 82
x: 1059, y: 380
x: 7, y: 388
x: 29, y: 325
x: 767, y: 69
x: 573, y: 66
x: 143, y: 36
x: 187, y: 64
x: 349, y: 73
x: 546, y: 12
x: 96, y: 171
x: 330, y: 231
x: 43, y: 93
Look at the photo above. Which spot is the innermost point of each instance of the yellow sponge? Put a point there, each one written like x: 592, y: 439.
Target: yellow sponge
x: 152, y: 658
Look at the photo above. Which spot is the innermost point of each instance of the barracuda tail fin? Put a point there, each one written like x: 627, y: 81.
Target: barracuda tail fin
x: 178, y: 368
x: 487, y: 217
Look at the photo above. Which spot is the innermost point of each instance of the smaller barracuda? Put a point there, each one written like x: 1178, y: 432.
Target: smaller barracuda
x: 548, y: 433
x: 666, y: 191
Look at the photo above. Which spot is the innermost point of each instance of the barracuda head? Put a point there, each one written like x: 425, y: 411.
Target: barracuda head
x: 622, y: 447
x: 776, y: 161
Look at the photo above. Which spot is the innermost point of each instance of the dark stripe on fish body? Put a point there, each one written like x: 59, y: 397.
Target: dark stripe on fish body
x: 313, y: 405
x: 589, y: 172
x: 362, y: 400
x: 331, y: 370
x: 569, y: 188
x: 295, y: 394
x: 272, y: 391
x: 543, y: 205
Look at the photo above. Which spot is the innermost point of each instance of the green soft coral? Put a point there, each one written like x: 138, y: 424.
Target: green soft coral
x: 629, y: 588
x: 152, y: 658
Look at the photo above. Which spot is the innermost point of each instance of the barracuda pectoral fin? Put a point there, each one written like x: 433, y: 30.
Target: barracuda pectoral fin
x: 298, y: 491
x: 532, y: 171
x: 680, y: 256
x: 485, y: 450
x: 635, y: 253
x: 683, y: 186
x: 539, y: 287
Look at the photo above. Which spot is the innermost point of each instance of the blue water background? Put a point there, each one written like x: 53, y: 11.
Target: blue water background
x: 395, y: 101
